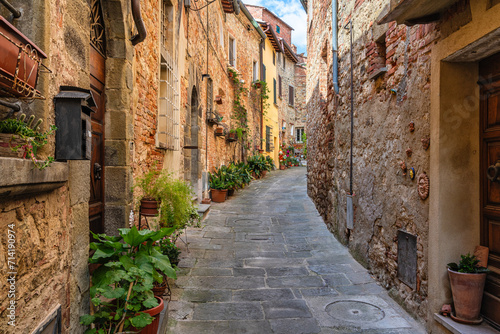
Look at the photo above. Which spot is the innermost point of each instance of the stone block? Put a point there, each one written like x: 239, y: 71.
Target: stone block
x: 116, y: 153
x: 117, y: 123
x: 79, y: 181
x: 228, y: 311
x: 115, y: 217
x: 118, y: 183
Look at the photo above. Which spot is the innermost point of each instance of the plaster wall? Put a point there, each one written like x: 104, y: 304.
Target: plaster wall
x: 455, y: 210
x: 271, y: 116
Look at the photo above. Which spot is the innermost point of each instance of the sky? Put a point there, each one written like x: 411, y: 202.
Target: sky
x: 293, y: 14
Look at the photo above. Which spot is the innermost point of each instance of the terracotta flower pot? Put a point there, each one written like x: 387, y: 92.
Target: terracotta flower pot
x: 149, y: 207
x: 219, y: 131
x: 467, y: 291
x: 152, y: 328
x: 282, y: 167
x: 218, y: 195
x: 263, y: 173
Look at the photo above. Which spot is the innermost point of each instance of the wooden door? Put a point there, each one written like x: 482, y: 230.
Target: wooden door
x: 97, y: 81
x: 489, y: 71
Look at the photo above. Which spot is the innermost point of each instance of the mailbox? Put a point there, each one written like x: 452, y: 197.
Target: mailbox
x: 74, y: 130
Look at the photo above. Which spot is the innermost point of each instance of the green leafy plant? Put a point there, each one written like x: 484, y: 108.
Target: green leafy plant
x: 264, y: 94
x: 168, y: 248
x: 122, y: 285
x: 221, y: 179
x: 258, y: 163
x: 177, y: 209
x: 304, y: 149
x: 30, y: 134
x: 468, y: 264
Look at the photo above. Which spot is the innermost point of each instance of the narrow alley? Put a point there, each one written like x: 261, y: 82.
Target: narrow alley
x: 264, y: 262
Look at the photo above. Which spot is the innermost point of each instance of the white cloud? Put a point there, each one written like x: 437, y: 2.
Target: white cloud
x: 293, y: 14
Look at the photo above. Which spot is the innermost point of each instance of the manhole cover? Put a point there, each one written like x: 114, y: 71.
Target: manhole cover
x: 249, y: 222
x: 354, y: 311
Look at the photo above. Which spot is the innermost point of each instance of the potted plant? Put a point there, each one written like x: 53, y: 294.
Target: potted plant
x: 219, y: 131
x: 150, y: 185
x: 21, y: 138
x: 232, y: 135
x: 467, y: 283
x: 121, y: 292
x: 257, y: 84
x: 219, y: 184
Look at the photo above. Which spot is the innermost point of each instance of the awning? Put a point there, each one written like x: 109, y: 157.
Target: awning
x: 411, y: 12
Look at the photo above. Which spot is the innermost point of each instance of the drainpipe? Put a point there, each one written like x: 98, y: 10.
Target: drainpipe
x: 16, y: 13
x: 335, y: 64
x: 262, y: 78
x: 139, y: 23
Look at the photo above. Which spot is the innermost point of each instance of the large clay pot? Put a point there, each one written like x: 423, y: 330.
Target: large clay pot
x: 263, y: 173
x: 467, y: 290
x: 149, y: 207
x: 152, y: 328
x: 219, y: 195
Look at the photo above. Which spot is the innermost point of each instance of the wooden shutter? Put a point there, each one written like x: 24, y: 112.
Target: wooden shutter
x: 290, y: 95
x: 274, y: 90
x: 279, y: 85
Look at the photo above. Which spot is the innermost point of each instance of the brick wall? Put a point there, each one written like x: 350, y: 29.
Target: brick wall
x: 263, y: 14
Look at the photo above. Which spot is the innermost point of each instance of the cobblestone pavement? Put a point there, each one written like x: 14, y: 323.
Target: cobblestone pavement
x: 264, y: 262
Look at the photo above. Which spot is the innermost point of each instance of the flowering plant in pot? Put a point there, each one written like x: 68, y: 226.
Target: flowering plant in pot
x: 23, y: 138
x: 121, y: 292
x: 467, y: 283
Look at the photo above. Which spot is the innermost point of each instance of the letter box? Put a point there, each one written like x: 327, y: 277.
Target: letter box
x: 74, y: 130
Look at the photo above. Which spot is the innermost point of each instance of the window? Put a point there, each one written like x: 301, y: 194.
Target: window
x: 167, y: 26
x: 291, y: 97
x: 274, y: 90
x: 274, y: 58
x: 167, y: 135
x: 279, y: 86
x: 232, y: 52
x: 299, y: 132
x: 278, y: 29
x: 221, y: 33
x: 255, y: 71
x: 268, y: 138
x: 210, y: 95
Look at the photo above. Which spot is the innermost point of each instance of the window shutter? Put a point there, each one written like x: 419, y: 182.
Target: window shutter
x: 279, y: 85
x: 290, y: 95
x: 274, y: 90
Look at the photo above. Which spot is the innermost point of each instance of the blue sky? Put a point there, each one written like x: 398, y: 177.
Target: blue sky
x: 293, y: 14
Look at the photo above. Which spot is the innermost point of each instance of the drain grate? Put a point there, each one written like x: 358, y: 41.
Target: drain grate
x: 354, y: 311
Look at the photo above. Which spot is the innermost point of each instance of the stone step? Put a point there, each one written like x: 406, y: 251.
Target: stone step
x: 203, y: 210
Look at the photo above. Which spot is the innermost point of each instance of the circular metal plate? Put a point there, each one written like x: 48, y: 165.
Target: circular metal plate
x: 355, y: 311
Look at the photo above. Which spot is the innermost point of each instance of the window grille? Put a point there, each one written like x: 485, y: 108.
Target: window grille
x: 168, y: 112
x: 268, y: 139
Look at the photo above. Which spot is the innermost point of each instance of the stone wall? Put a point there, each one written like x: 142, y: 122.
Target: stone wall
x: 385, y: 199
x: 51, y: 225
x: 300, y: 79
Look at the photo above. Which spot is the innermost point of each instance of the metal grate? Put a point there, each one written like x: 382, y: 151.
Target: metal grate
x: 168, y: 112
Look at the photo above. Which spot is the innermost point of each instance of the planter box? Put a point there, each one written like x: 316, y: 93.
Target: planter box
x: 219, y: 131
x: 20, y: 62
x: 232, y: 136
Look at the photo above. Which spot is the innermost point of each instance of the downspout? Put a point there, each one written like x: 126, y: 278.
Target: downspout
x: 335, y: 64
x: 139, y: 23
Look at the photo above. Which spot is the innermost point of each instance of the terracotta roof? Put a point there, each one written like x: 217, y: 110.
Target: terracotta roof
x: 271, y: 35
x: 288, y: 51
x: 276, y: 16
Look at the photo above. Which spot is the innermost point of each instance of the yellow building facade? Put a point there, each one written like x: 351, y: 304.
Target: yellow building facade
x: 271, y: 121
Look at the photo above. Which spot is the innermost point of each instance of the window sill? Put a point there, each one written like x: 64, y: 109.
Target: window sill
x: 25, y: 179
x: 457, y: 328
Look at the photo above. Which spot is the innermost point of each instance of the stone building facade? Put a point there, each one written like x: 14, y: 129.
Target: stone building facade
x: 300, y: 102
x: 96, y: 47
x: 416, y: 148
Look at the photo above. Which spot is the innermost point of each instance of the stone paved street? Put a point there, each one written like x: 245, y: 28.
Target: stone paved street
x: 264, y: 262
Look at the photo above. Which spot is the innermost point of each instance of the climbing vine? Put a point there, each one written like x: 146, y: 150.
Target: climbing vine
x: 240, y: 113
x: 264, y: 94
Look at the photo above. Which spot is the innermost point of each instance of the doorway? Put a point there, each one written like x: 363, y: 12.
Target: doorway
x: 97, y: 88
x: 489, y: 74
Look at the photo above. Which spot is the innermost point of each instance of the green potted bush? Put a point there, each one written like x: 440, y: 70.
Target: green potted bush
x: 121, y: 292
x: 467, y: 283
x: 219, y: 182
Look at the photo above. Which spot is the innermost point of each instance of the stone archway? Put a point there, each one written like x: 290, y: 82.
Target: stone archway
x: 118, y: 118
